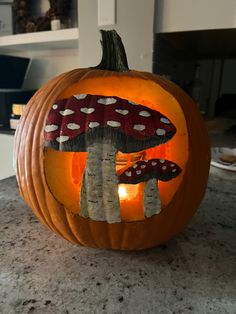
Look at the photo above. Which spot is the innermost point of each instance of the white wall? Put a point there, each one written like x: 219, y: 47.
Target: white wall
x: 134, y: 24
x: 6, y: 156
x: 183, y: 15
x: 47, y: 64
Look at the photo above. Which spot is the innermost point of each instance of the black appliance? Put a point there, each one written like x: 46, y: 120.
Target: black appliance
x: 13, y: 70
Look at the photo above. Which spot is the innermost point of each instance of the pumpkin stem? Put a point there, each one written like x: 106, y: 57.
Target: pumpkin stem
x: 113, y: 53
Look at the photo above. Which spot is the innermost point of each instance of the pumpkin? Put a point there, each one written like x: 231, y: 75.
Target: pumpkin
x: 109, y: 157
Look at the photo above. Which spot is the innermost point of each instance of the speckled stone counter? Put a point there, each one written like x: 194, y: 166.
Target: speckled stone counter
x: 193, y: 273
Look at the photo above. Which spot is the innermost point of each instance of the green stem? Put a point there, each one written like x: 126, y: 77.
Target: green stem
x: 113, y: 53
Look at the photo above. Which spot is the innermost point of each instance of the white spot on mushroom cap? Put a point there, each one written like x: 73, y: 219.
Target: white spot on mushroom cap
x: 62, y: 138
x: 172, y: 165
x: 51, y: 128
x: 135, y: 166
x: 114, y: 124
x: 173, y: 170
x: 138, y: 171
x: 122, y: 111
x: 128, y: 173
x: 165, y: 120
x: 143, y: 166
x: 153, y: 163
x: 144, y: 113
x: 139, y: 127
x: 160, y: 132
x: 66, y: 112
x: 93, y: 124
x: 87, y: 110
x: 162, y: 161
x: 73, y: 126
x: 55, y: 106
x: 133, y: 103
x: 163, y: 167
x: 80, y: 96
x: 107, y: 101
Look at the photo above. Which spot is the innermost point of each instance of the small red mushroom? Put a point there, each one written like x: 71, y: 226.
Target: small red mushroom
x: 103, y: 125
x: 150, y: 171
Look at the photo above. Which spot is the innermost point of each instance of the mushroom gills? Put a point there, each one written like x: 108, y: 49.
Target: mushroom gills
x: 152, y: 201
x: 99, y: 192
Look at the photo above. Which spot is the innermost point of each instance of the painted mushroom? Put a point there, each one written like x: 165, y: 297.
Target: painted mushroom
x: 150, y: 171
x: 102, y: 126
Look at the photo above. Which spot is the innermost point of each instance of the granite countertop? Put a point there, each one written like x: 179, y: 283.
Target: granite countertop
x: 193, y: 273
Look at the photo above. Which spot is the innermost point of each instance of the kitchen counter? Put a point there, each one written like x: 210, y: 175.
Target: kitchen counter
x: 193, y: 273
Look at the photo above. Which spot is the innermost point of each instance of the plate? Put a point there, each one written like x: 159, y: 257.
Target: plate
x: 219, y: 153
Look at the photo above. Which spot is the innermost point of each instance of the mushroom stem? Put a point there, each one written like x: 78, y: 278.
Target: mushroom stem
x: 83, y: 199
x: 99, y: 193
x: 152, y: 203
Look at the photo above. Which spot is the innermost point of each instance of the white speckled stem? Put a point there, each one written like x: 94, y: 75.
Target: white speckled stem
x: 83, y: 199
x: 152, y: 202
x: 99, y: 192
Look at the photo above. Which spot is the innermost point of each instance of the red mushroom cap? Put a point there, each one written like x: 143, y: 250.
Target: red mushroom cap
x: 145, y: 170
x: 74, y: 122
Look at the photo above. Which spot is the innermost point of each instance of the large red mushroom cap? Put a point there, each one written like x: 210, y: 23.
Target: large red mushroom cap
x: 145, y: 170
x: 75, y: 122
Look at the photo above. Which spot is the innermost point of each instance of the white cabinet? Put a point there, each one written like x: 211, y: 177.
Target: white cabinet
x: 192, y: 15
x: 6, y: 155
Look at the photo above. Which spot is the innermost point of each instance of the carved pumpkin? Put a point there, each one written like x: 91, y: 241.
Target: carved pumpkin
x: 110, y: 157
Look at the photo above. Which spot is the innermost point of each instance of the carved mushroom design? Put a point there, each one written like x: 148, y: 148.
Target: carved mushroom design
x: 150, y: 171
x: 102, y: 126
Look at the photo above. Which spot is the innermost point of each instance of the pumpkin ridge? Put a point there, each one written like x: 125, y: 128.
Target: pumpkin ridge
x: 32, y: 197
x: 47, y: 219
x: 75, y: 234
x: 39, y: 116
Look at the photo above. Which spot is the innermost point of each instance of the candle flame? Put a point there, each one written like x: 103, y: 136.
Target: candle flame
x: 122, y: 192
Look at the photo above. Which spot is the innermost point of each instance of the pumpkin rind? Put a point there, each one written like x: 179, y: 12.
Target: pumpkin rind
x: 29, y: 156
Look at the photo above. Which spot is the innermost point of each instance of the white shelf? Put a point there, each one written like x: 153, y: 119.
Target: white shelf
x: 60, y: 39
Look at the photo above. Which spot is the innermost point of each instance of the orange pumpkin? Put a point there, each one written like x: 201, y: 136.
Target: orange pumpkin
x: 51, y: 181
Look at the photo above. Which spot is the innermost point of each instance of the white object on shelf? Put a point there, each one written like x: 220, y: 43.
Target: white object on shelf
x: 14, y: 123
x: 63, y: 38
x: 55, y: 24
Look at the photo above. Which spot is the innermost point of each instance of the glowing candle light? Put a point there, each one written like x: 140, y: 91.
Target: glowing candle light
x: 122, y: 192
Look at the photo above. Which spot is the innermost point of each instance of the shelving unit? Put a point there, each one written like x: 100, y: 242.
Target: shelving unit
x: 59, y: 39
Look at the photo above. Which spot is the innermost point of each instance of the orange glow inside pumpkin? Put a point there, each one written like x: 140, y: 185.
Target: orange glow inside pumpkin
x: 64, y: 170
